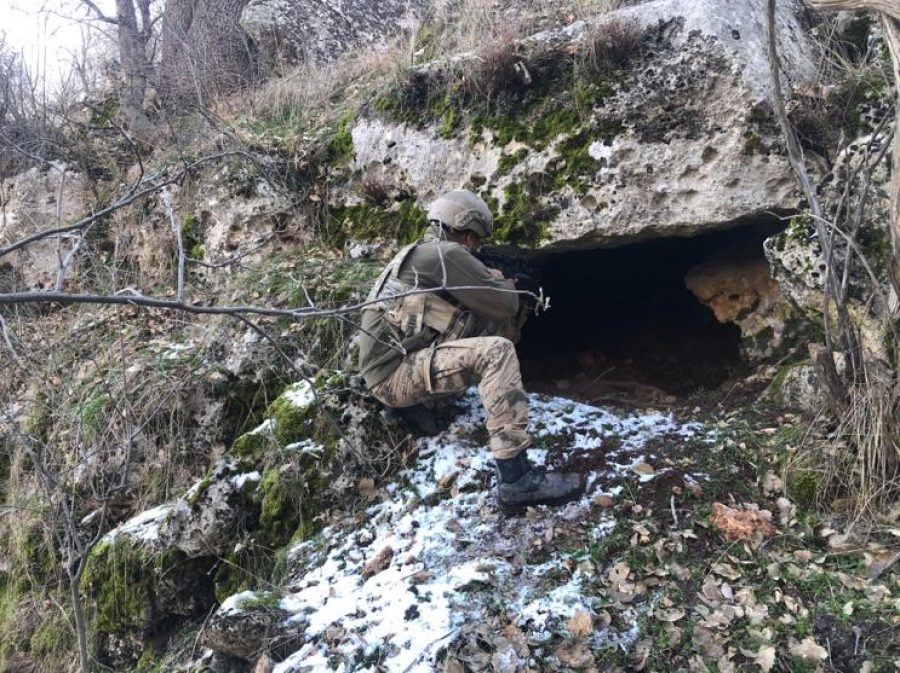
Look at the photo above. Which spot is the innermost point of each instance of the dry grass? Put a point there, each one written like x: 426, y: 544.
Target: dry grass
x: 853, y: 465
x: 610, y: 46
x: 309, y: 97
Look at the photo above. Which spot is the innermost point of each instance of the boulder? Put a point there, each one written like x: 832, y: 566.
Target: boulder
x: 39, y: 199
x: 679, y: 141
x: 247, y: 624
x: 320, y: 31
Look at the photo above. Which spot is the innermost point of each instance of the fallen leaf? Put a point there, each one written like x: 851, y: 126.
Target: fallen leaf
x: 453, y: 665
x: 605, y: 501
x: 879, y: 561
x: 581, y: 625
x: 379, y: 562
x: 787, y: 511
x: 808, y: 650
x: 765, y: 658
x: 574, y: 654
x: 619, y: 573
x: 670, y: 616
x: 445, y: 482
x: 643, y: 469
x: 740, y: 524
x: 366, y: 488
x: 725, y: 570
x: 772, y: 484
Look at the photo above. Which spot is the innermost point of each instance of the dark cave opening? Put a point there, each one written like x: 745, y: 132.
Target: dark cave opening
x: 623, y: 325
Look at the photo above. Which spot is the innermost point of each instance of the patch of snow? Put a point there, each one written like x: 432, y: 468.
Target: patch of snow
x: 232, y: 604
x: 306, y: 446
x: 145, y: 527
x: 239, y: 480
x: 453, y: 556
x: 267, y: 427
x: 300, y: 394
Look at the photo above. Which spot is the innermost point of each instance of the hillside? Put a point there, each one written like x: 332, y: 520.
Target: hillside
x: 196, y: 479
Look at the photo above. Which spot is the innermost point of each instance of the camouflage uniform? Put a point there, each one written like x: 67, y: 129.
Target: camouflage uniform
x: 404, y: 365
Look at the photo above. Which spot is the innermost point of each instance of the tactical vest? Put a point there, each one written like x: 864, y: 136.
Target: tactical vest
x: 412, y: 311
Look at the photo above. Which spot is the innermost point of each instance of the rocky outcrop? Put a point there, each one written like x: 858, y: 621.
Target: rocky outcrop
x: 740, y: 290
x: 39, y: 199
x: 680, y: 141
x: 320, y: 31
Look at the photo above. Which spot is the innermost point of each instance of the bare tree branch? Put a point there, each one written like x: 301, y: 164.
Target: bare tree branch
x: 130, y: 197
x: 179, y: 238
x: 98, y: 13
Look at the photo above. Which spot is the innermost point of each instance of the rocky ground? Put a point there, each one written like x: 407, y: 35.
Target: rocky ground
x: 684, y: 554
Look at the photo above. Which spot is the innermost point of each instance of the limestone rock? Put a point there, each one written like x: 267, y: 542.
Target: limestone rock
x: 798, y: 387
x: 239, y: 211
x: 204, y: 521
x: 320, y: 31
x: 740, y: 290
x: 685, y: 143
x: 38, y: 199
x: 246, y: 624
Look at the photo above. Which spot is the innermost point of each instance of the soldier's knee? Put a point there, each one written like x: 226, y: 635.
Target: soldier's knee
x: 498, y: 343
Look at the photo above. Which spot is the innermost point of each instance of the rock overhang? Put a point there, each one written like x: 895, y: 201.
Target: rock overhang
x: 685, y: 143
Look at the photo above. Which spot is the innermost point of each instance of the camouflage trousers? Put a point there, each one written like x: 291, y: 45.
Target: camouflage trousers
x: 450, y: 368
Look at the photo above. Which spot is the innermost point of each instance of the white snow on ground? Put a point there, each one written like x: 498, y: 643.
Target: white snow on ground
x: 451, y: 552
x: 300, y: 394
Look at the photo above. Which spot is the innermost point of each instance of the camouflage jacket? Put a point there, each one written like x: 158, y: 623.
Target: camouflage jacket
x: 382, y: 348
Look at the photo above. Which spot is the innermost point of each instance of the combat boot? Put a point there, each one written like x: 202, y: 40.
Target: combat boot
x: 521, y: 485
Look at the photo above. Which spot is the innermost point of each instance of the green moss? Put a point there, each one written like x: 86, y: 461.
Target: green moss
x: 120, y: 578
x: 243, y: 569
x: 252, y: 446
x: 192, y: 236
x: 450, y: 121
x: 294, y: 413
x: 262, y: 600
x: 522, y: 220
x: 802, y: 486
x: 777, y: 383
x: 291, y: 499
x: 92, y: 412
x: 560, y: 98
x: 37, y: 422
x: 476, y: 182
x: 340, y: 139
x: 509, y: 161
x: 575, y: 167
x: 53, y: 639
x: 149, y: 662
x: 426, y: 45
x: 132, y: 588
x: 197, y: 492
x: 404, y: 222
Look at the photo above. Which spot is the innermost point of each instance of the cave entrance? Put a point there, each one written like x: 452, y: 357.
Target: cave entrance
x: 624, y: 327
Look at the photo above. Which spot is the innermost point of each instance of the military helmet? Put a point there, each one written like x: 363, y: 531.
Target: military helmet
x: 460, y: 211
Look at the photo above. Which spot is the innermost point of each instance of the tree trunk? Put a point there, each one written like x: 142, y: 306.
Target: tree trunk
x: 136, y: 67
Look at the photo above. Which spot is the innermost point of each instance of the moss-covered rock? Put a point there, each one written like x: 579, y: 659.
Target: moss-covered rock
x: 138, y: 591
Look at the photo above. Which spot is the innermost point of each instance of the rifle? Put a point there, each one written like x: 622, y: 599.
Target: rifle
x: 526, y: 275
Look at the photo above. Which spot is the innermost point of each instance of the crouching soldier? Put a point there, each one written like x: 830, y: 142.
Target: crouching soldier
x: 424, y: 346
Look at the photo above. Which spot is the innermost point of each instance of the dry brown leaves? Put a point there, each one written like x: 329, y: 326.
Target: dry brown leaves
x: 379, y: 562
x: 746, y: 524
